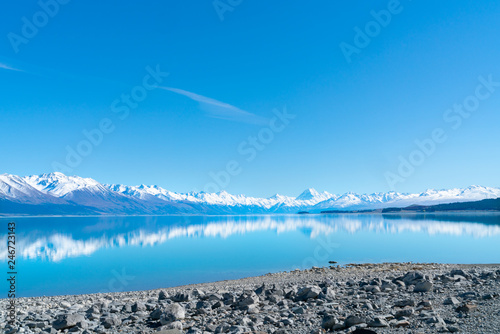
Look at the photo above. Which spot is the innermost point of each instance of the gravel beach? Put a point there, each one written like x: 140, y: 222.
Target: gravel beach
x: 363, y: 298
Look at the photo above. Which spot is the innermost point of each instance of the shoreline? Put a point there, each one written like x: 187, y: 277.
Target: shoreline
x: 375, y: 213
x: 240, y: 280
x: 453, y: 297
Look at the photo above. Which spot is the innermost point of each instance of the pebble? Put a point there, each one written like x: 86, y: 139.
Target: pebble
x: 401, y: 297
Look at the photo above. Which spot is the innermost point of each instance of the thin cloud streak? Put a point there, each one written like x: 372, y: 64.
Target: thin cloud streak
x: 222, y: 110
x: 7, y: 67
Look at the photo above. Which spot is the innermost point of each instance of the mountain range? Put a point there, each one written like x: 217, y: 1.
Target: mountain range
x: 58, y: 194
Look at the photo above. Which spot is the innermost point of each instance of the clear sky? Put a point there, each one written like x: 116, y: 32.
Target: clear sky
x: 359, y: 101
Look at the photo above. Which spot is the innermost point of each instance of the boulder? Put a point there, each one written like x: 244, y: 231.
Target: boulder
x: 412, y: 277
x: 424, y: 286
x: 110, y: 321
x: 328, y: 322
x: 162, y: 295
x: 308, y: 292
x: 67, y: 321
x: 378, y: 322
x: 172, y: 313
x: 353, y: 320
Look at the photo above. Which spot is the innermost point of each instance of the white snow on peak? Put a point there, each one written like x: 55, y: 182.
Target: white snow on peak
x: 62, y: 189
x: 59, y: 185
x: 14, y: 187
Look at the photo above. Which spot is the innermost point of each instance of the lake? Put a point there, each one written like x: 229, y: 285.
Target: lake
x: 75, y: 255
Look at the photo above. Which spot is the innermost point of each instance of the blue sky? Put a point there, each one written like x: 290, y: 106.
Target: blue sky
x: 353, y: 121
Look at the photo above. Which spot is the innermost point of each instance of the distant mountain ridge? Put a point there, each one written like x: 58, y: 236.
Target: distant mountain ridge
x: 58, y: 194
x: 491, y: 204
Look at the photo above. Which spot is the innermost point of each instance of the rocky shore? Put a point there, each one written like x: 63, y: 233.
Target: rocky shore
x: 368, y: 298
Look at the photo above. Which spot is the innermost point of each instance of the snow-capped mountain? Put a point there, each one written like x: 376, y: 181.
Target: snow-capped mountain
x: 56, y: 193
x: 15, y: 187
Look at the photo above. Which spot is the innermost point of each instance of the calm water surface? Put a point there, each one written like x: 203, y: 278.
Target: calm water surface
x: 74, y: 255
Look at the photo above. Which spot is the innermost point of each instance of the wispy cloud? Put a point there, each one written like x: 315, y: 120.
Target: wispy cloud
x: 9, y: 68
x: 222, y: 110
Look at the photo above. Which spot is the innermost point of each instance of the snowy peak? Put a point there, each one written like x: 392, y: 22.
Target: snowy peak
x: 15, y: 188
x: 77, y: 192
x: 312, y: 196
x: 308, y: 194
x: 59, y: 185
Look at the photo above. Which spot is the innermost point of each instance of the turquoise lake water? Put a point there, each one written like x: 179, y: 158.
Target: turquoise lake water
x: 74, y: 255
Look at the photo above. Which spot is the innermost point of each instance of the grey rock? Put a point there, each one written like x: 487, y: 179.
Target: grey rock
x: 67, y: 321
x: 308, y: 292
x: 378, y: 322
x: 252, y: 309
x: 353, y: 320
x: 162, y: 295
x: 110, y: 321
x: 363, y: 331
x: 65, y: 304
x: 156, y: 314
x: 405, y: 312
x: 404, y: 302
x: 252, y: 299
x: 172, y: 313
x: 424, y: 286
x: 451, y: 301
x: 181, y: 297
x: 138, y: 306
x: 466, y: 308
x: 329, y: 321
x: 412, y: 277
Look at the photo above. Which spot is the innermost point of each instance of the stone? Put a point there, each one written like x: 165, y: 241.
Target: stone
x: 329, y: 321
x: 459, y: 272
x: 252, y: 309
x: 281, y: 331
x: 238, y: 330
x: 353, y: 320
x: 363, y: 331
x: 488, y: 296
x: 412, y: 277
x: 308, y: 292
x: 162, y: 295
x: 298, y: 310
x: 404, y: 312
x: 402, y: 323
x: 174, y: 325
x: 451, y: 301
x: 181, y: 297
x: 466, y: 308
x: 67, y: 321
x: 94, y: 310
x: 327, y: 293
x: 156, y: 314
x: 425, y: 305
x: 110, y: 321
x: 137, y: 307
x: 252, y: 299
x: 424, y: 286
x: 172, y: 313
x: 65, y: 304
x: 404, y: 302
x: 378, y: 322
